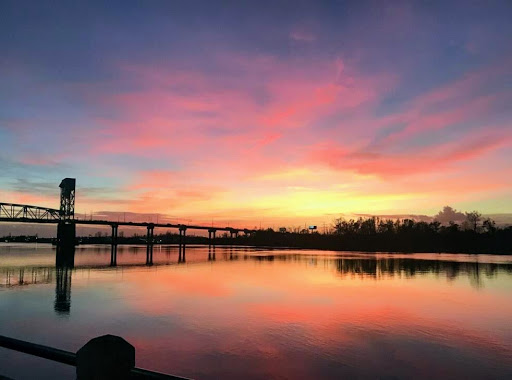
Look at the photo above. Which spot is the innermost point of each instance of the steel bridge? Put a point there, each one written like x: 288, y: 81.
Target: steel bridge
x: 66, y: 221
x: 12, y: 212
x: 18, y: 213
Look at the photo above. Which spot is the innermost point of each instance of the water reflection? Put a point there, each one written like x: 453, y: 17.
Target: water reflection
x: 211, y: 253
x: 62, y: 303
x: 391, y: 267
x: 231, y: 312
x: 351, y: 265
x: 181, y: 257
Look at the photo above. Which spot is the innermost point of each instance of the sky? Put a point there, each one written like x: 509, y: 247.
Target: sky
x: 249, y: 113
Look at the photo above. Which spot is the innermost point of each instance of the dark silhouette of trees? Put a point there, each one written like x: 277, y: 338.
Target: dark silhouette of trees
x: 465, y: 234
x: 489, y: 225
x: 472, y: 218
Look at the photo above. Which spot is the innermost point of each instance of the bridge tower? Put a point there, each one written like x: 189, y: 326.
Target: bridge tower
x: 67, y: 198
x: 66, y: 230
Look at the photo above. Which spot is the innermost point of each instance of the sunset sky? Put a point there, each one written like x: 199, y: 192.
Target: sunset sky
x: 248, y: 113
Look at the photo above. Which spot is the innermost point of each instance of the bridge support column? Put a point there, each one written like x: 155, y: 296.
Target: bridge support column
x: 183, y: 232
x: 149, y: 247
x: 211, y: 236
x: 113, y: 252
x: 66, y: 237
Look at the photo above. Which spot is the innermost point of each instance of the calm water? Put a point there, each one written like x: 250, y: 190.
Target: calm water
x: 255, y: 314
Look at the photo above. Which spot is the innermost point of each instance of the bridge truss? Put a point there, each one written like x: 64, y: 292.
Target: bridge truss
x: 13, y: 212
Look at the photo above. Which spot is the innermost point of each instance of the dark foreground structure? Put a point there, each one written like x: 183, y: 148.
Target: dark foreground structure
x: 102, y: 358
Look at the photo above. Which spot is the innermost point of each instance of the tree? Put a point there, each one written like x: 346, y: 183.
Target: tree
x: 368, y: 226
x: 489, y: 225
x: 387, y: 226
x: 435, y: 225
x: 338, y: 225
x: 473, y: 218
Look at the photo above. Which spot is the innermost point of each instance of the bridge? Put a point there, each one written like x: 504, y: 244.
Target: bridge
x: 66, y: 222
x: 17, y: 213
x: 12, y: 212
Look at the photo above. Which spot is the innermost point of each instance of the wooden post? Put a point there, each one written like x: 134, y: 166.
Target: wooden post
x: 105, y: 357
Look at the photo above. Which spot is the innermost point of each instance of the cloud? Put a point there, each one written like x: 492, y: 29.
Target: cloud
x: 424, y: 160
x: 302, y: 36
x: 456, y: 122
x: 293, y: 116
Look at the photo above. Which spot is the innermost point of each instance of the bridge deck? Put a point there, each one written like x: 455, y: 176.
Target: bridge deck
x: 131, y: 224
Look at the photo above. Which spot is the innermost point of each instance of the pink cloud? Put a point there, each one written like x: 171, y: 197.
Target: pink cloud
x: 190, y: 107
x: 265, y: 115
x: 233, y: 128
x: 436, y: 120
x: 401, y: 153
x: 464, y: 100
x: 424, y: 160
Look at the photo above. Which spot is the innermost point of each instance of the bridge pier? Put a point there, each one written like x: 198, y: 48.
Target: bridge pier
x: 182, y: 243
x: 183, y: 232
x: 66, y: 238
x: 211, y: 236
x: 113, y: 251
x: 66, y: 234
x: 64, y: 262
x: 149, y: 242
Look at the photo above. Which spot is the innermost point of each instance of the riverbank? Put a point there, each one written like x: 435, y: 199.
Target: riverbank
x: 445, y: 240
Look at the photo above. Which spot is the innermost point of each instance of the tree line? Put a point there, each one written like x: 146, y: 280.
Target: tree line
x: 468, y: 233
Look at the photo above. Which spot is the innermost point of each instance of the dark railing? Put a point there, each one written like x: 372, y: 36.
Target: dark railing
x: 70, y: 358
x: 46, y: 352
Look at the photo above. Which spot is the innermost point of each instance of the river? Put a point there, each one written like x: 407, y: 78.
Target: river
x: 252, y: 313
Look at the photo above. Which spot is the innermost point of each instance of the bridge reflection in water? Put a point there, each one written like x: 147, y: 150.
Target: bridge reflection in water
x: 62, y: 290
x: 346, y: 265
